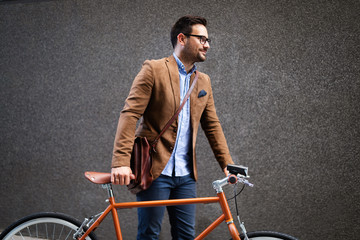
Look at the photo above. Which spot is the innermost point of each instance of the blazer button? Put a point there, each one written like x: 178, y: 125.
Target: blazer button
x: 171, y: 148
x: 175, y: 130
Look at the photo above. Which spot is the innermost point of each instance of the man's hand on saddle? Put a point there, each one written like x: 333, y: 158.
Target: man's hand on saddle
x: 121, y: 175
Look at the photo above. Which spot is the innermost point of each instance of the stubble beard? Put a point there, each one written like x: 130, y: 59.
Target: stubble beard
x: 196, y: 57
x: 201, y: 57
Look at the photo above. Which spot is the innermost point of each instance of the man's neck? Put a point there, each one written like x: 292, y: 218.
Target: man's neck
x: 187, y: 64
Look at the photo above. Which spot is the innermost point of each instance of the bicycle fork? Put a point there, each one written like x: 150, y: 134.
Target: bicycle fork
x: 242, y: 226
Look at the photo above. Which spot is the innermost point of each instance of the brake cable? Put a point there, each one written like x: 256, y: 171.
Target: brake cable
x: 236, y: 194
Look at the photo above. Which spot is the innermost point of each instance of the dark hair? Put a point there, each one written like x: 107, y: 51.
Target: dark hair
x: 184, y: 25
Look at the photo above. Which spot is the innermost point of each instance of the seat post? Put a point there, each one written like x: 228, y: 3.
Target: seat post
x: 108, y: 187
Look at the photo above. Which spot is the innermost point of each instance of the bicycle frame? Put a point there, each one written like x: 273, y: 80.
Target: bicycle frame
x: 221, y: 199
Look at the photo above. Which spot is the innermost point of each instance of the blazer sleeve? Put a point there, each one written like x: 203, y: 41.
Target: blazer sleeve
x: 135, y: 105
x: 211, y: 125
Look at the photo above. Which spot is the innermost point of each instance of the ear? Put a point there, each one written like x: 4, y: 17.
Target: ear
x: 181, y: 39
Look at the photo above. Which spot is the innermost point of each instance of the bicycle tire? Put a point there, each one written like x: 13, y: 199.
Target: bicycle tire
x: 267, y: 235
x: 47, y: 225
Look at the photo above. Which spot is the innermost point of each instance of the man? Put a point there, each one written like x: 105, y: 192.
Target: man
x: 155, y: 95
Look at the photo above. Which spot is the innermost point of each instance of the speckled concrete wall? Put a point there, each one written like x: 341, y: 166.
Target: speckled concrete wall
x: 286, y: 80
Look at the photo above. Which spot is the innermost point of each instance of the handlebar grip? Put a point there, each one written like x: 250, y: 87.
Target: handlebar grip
x: 232, y: 179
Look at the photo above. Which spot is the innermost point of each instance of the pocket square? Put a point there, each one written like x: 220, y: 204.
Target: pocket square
x: 202, y: 93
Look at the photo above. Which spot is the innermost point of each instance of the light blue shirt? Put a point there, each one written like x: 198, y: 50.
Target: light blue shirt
x: 181, y: 156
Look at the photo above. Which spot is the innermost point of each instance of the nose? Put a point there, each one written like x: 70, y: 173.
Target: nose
x: 207, y: 45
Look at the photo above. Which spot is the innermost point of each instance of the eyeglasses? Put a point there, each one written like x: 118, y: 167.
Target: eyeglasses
x: 203, y: 39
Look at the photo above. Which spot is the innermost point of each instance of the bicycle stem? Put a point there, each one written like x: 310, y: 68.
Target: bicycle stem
x: 218, y: 184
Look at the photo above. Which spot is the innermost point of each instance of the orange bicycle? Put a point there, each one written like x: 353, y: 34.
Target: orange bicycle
x: 61, y: 226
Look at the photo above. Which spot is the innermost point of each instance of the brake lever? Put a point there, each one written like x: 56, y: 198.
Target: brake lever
x: 246, y: 182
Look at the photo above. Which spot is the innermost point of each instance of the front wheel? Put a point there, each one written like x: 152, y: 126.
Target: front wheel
x: 267, y: 235
x: 44, y: 226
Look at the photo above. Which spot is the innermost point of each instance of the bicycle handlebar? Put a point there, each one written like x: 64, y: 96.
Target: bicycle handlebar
x: 231, y: 179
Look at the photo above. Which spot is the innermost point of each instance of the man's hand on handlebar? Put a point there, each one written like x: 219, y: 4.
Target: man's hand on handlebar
x: 226, y: 171
x: 121, y: 175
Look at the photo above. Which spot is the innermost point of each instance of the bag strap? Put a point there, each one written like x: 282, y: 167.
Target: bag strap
x: 153, y: 144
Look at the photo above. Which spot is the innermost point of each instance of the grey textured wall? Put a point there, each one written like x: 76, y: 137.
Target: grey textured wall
x: 286, y: 77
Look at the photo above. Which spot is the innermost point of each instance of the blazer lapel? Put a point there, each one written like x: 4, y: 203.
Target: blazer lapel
x: 174, y: 79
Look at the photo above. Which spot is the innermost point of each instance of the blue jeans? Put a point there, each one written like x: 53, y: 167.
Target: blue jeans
x: 182, y: 217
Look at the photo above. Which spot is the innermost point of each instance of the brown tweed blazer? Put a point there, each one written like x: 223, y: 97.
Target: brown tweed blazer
x: 154, y: 98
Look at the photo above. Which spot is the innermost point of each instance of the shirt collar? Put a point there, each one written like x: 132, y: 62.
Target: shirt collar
x: 182, y: 67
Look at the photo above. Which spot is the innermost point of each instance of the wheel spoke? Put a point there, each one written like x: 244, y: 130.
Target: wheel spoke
x: 46, y: 230
x: 53, y: 237
x: 21, y: 235
x: 29, y: 231
x: 62, y: 229
x: 68, y: 234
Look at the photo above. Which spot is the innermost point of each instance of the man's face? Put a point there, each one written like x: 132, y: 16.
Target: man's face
x: 193, y: 48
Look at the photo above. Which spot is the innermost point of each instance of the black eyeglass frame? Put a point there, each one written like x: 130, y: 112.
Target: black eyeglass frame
x: 202, y: 39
